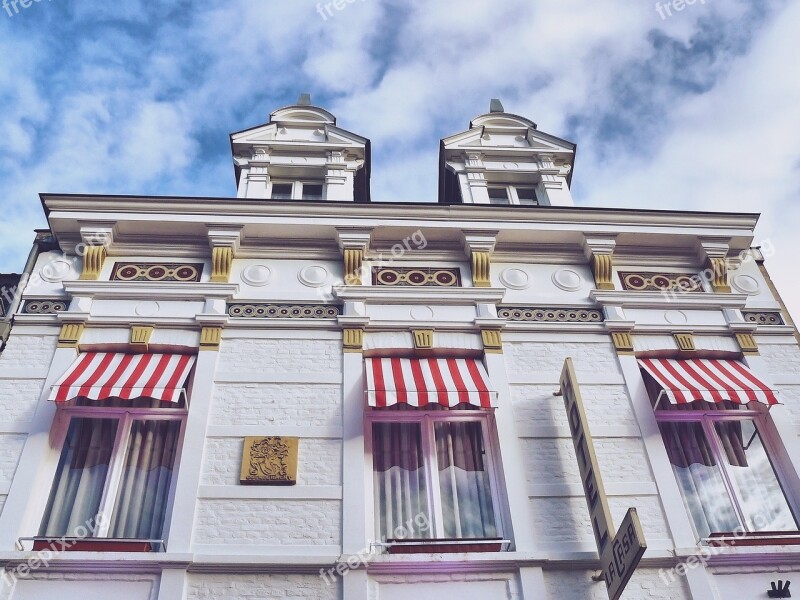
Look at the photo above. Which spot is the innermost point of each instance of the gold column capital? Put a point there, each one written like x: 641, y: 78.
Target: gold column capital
x: 492, y: 341
x: 353, y: 339
x: 94, y: 258
x: 747, y: 343
x: 603, y: 270
x: 210, y: 338
x: 140, y: 337
x: 481, y: 268
x: 623, y: 342
x: 353, y: 263
x: 70, y: 335
x: 423, y: 338
x: 719, y: 274
x: 685, y: 341
x: 221, y: 264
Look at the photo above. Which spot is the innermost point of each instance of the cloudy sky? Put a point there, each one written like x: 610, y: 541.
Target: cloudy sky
x: 691, y: 109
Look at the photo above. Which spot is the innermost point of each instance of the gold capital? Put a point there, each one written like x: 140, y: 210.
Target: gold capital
x: 481, y: 268
x: 210, y: 338
x: 353, y: 262
x: 93, y: 260
x: 221, y: 263
x: 603, y: 269
x: 353, y: 340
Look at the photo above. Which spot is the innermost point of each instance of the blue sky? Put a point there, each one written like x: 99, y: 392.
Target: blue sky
x: 697, y: 110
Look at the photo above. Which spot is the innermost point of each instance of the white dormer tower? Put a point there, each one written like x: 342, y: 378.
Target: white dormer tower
x: 301, y: 155
x: 503, y: 159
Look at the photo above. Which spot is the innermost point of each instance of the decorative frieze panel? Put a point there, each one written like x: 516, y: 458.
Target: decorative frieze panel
x: 269, y: 461
x: 43, y: 307
x: 242, y: 310
x: 182, y: 272
x: 763, y: 317
x: 537, y: 314
x: 661, y: 282
x: 416, y: 276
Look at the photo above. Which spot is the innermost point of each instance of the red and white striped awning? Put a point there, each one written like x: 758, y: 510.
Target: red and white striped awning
x: 103, y: 375
x: 685, y: 381
x: 422, y: 381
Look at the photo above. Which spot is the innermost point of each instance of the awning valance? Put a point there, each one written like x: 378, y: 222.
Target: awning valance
x: 103, y: 375
x: 685, y: 381
x: 422, y: 381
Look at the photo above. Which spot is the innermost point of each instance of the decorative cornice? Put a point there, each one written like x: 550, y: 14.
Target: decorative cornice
x: 659, y: 300
x: 132, y: 290
x: 411, y: 295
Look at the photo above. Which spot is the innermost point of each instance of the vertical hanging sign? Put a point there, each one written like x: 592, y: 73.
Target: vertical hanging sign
x: 619, y: 554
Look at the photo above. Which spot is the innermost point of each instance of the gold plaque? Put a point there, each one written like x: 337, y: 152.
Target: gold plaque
x: 269, y: 461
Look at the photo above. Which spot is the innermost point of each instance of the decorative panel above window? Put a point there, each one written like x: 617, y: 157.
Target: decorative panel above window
x: 661, y: 282
x: 535, y: 314
x: 46, y: 306
x: 416, y: 276
x: 763, y: 317
x: 183, y: 272
x: 249, y: 310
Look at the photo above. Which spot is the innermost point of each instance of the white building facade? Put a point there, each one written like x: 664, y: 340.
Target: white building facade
x: 174, y: 360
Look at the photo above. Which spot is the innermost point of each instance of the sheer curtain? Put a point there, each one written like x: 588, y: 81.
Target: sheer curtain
x: 399, y: 473
x: 464, y: 481
x: 141, y: 502
x: 80, y: 477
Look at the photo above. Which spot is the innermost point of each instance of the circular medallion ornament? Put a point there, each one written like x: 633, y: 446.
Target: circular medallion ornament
x: 313, y: 276
x: 515, y: 279
x: 421, y: 313
x: 567, y: 280
x: 56, y: 271
x: 746, y: 284
x: 147, y: 309
x: 256, y: 275
x: 676, y: 317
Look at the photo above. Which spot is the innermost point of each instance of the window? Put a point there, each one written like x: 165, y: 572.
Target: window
x: 297, y: 190
x: 118, y: 460
x: 433, y: 476
x: 498, y: 195
x: 511, y: 194
x: 723, y: 463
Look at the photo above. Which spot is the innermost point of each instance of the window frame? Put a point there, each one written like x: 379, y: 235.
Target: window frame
x: 427, y: 419
x: 125, y: 417
x: 297, y: 188
x: 512, y: 195
x: 707, y: 419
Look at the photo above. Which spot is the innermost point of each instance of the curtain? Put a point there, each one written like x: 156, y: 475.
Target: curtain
x: 762, y: 500
x: 141, y: 503
x: 80, y: 477
x: 399, y: 473
x: 699, y: 477
x: 464, y: 481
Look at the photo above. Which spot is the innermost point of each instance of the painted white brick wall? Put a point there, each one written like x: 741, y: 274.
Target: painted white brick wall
x: 552, y: 460
x: 28, y: 352
x: 644, y: 585
x: 319, y: 461
x: 268, y: 522
x: 18, y: 398
x: 277, y: 404
x: 260, y: 587
x: 605, y: 405
x: 10, y: 452
x: 780, y: 358
x: 280, y: 356
x: 547, y: 359
x: 566, y: 519
x: 429, y: 582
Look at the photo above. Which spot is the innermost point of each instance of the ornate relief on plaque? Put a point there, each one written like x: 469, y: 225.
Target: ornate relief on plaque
x: 269, y: 461
x: 184, y: 272
x: 416, y: 276
x: 661, y: 282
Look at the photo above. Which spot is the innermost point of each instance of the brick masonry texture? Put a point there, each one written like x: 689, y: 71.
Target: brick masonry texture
x: 277, y: 404
x: 28, y: 352
x: 10, y: 452
x: 19, y: 398
x: 605, y: 405
x: 319, y: 462
x: 547, y: 359
x: 253, y: 587
x: 272, y: 523
x: 508, y: 579
x: 280, y: 356
x: 553, y: 460
x: 644, y: 585
x: 780, y: 358
x: 567, y: 519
